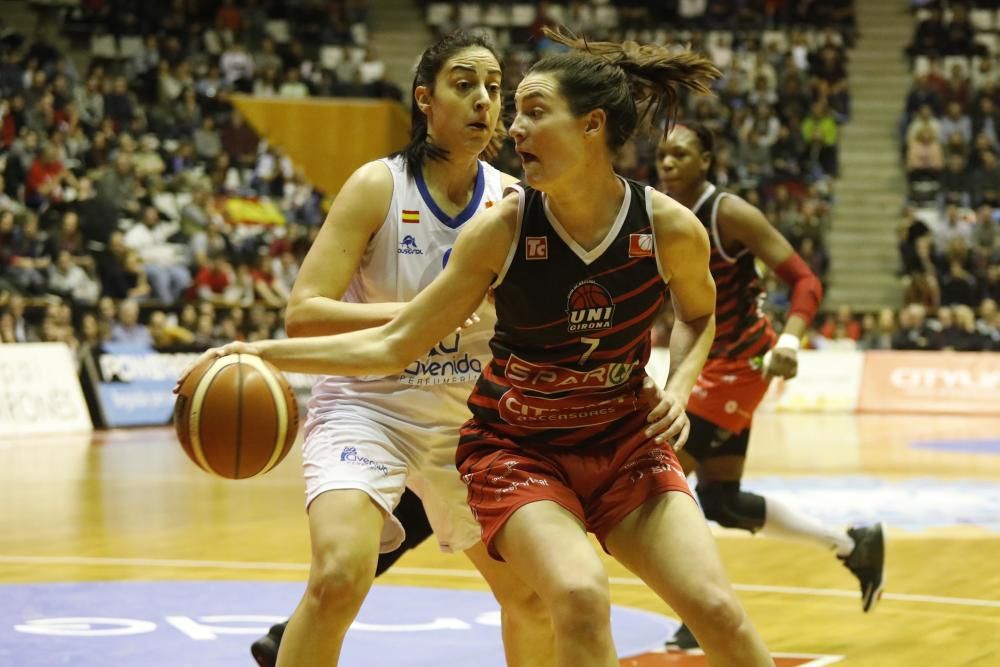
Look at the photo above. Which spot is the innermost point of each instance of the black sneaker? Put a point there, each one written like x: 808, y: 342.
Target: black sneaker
x: 683, y: 640
x: 265, y: 649
x: 867, y: 562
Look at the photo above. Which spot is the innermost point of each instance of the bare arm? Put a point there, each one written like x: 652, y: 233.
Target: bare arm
x: 478, y: 255
x: 743, y: 223
x: 683, y: 249
x: 314, y: 306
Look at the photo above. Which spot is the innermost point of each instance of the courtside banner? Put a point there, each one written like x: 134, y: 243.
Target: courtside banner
x: 134, y: 385
x: 931, y: 383
x: 40, y: 391
x: 827, y: 381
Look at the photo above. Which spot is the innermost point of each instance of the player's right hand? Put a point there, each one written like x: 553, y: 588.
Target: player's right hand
x: 782, y: 362
x: 236, y: 347
x: 668, y: 421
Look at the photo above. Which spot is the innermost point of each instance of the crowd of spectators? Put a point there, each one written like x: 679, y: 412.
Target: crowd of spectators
x: 949, y: 237
x: 778, y: 108
x: 113, y: 174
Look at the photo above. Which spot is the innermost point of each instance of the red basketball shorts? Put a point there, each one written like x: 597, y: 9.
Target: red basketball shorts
x: 599, y: 484
x: 727, y: 393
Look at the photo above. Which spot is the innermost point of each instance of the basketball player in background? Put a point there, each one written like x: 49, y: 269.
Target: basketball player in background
x: 745, y: 355
x: 388, y: 234
x: 560, y: 443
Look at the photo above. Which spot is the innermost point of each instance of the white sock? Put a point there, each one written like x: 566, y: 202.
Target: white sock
x: 783, y: 522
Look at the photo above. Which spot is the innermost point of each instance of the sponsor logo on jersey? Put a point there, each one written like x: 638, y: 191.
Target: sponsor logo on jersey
x: 589, y: 307
x: 408, y: 246
x: 554, y: 379
x: 445, y: 363
x: 412, y: 217
x: 536, y: 247
x: 640, y: 245
x: 573, y: 411
x: 350, y: 455
x: 445, y: 258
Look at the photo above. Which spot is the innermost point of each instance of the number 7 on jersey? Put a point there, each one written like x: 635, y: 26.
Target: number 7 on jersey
x: 591, y: 344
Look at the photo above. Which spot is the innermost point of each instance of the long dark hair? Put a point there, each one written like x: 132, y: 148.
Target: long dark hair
x: 432, y: 60
x: 632, y: 82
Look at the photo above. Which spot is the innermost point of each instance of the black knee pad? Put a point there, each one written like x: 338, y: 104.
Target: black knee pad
x: 708, y: 440
x: 725, y: 504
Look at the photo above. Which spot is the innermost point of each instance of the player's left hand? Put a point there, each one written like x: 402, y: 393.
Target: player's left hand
x: 783, y: 363
x: 668, y: 421
x: 236, y: 347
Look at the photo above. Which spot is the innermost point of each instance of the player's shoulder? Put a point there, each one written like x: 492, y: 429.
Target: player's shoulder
x: 736, y: 208
x: 505, y: 212
x: 670, y: 217
x: 372, y: 178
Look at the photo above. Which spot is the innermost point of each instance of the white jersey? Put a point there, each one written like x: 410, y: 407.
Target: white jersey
x: 405, y: 255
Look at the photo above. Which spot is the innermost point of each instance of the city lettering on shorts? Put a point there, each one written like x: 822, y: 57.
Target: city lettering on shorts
x: 568, y: 412
x: 589, y: 307
x: 408, y: 246
x: 536, y: 247
x: 350, y: 455
x: 553, y: 379
x: 443, y: 364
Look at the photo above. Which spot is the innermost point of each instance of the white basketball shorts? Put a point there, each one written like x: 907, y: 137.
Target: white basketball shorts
x: 350, y: 447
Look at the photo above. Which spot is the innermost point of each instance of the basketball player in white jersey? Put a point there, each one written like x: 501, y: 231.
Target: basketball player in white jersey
x: 387, y: 235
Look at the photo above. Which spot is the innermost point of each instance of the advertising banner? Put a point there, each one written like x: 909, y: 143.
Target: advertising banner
x: 931, y: 383
x: 827, y: 381
x: 134, y: 385
x: 40, y: 391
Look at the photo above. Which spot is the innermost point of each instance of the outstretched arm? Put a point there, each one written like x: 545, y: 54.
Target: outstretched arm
x: 439, y: 309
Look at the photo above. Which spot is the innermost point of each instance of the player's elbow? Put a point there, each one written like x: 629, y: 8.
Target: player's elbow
x: 298, y: 322
x: 295, y: 326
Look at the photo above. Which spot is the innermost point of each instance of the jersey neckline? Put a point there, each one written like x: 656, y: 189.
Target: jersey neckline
x: 466, y: 213
x: 588, y: 257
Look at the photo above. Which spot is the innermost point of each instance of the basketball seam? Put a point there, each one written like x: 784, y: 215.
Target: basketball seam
x: 239, y: 417
x: 197, y: 399
x: 281, y: 408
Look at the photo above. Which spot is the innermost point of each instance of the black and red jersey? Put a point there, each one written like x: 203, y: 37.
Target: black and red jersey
x: 572, y: 337
x: 742, y: 330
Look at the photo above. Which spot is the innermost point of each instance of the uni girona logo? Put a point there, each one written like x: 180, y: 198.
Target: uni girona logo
x: 589, y: 307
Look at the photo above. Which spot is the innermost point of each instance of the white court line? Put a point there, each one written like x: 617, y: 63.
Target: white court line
x: 463, y: 574
x: 817, y: 660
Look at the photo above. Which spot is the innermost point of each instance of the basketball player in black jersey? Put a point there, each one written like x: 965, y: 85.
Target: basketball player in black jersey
x: 732, y: 382
x: 560, y: 443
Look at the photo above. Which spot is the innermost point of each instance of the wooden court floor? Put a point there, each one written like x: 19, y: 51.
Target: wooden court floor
x: 127, y: 505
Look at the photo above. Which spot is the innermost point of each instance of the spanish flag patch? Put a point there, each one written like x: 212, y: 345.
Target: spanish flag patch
x: 411, y: 216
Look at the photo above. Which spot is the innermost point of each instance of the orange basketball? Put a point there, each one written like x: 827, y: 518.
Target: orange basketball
x: 236, y: 416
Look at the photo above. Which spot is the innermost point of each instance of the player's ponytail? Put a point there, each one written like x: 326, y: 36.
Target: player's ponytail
x: 632, y: 82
